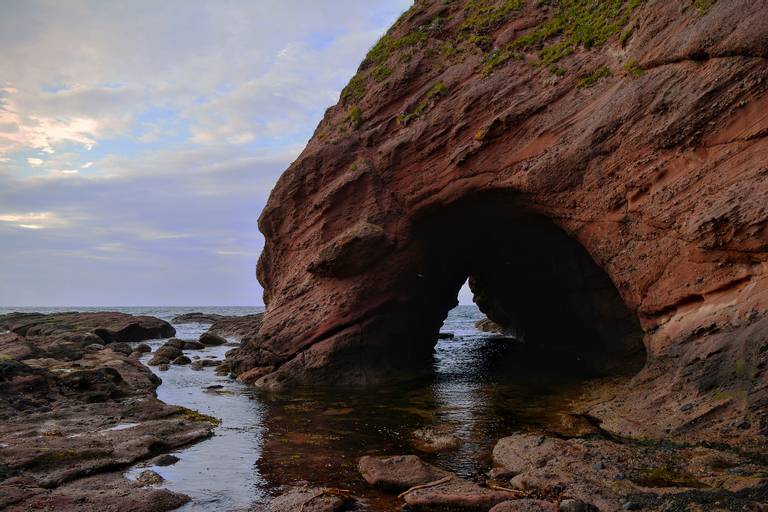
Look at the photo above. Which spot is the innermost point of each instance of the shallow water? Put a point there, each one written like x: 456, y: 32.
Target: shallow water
x: 479, y: 392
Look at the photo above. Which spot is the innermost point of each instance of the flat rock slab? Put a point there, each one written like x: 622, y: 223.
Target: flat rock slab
x: 107, y: 326
x: 398, y: 472
x: 455, y: 494
x: 609, y: 475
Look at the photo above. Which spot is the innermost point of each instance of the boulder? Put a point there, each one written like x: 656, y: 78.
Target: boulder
x: 209, y: 338
x: 193, y: 345
x: 182, y: 360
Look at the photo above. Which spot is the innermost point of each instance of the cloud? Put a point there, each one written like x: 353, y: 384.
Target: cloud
x: 139, y: 142
x: 33, y: 220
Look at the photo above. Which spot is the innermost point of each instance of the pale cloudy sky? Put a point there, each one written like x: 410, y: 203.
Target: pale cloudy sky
x: 139, y: 140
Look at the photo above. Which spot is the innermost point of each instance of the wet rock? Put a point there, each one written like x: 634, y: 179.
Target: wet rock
x: 110, y: 327
x: 174, y: 342
x: 199, y: 364
x: 398, y: 472
x: 196, y: 318
x: 209, y: 338
x: 158, y: 360
x: 164, y: 460
x: 525, y: 505
x: 456, y: 494
x: 434, y: 440
x: 631, y: 505
x: 82, y: 413
x: 193, y: 345
x: 182, y: 360
x: 164, y: 367
x: 94, y: 347
x: 142, y: 348
x: 168, y: 352
x: 445, y: 336
x: 121, y: 347
x: 307, y: 500
x: 149, y: 477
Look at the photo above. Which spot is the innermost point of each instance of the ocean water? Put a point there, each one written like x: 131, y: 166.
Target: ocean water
x: 315, y: 436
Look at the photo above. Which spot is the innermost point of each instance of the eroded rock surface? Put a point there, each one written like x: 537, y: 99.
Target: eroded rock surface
x: 604, y: 160
x: 68, y: 411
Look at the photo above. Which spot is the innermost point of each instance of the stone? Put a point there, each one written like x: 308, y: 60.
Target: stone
x: 398, y: 472
x: 193, y: 345
x: 571, y: 505
x: 175, y: 342
x: 168, y: 352
x: 182, y: 360
x: 166, y: 459
x: 149, y: 477
x: 525, y: 505
x: 456, y: 494
x: 199, y: 364
x: 434, y: 440
x: 196, y: 318
x: 94, y: 347
x: 630, y: 505
x: 208, y: 338
x: 307, y: 500
x: 164, y: 367
x: 142, y: 348
x: 123, y: 348
x: 158, y: 360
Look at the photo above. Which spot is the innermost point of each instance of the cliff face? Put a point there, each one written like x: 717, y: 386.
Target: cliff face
x: 605, y: 161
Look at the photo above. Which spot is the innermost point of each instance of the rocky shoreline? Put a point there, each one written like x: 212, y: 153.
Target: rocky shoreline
x: 77, y: 407
x: 76, y: 411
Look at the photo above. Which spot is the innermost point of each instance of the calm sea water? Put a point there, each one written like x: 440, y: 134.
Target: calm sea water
x: 265, y: 441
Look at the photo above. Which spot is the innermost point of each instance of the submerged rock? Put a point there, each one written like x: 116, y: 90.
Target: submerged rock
x: 434, y: 440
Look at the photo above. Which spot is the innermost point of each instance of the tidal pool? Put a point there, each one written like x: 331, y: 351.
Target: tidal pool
x: 479, y: 392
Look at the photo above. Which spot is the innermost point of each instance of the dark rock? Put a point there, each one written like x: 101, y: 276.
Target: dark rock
x: 196, y: 318
x: 174, y: 342
x: 164, y: 367
x: 209, y: 338
x: 182, y: 360
x: 193, y: 345
x: 158, y: 360
x: 525, y: 505
x: 164, y: 460
x: 630, y: 505
x: 445, y: 336
x: 168, y: 352
x: 142, y: 348
x: 121, y: 347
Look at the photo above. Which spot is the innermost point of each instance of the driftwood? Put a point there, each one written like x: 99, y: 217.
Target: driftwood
x: 424, y: 486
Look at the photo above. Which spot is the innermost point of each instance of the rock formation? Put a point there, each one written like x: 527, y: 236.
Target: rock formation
x: 74, y: 411
x: 598, y: 171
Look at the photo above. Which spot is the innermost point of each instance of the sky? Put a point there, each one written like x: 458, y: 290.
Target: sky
x: 139, y: 140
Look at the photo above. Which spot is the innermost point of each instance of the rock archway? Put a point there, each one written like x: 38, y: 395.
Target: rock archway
x: 641, y: 144
x: 528, y: 276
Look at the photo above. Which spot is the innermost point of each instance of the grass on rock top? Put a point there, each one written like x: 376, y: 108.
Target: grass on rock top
x: 576, y: 23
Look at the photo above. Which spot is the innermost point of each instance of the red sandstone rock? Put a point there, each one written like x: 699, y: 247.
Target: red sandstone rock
x: 636, y: 206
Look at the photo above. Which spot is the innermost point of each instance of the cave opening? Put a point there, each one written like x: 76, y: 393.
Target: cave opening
x: 528, y: 276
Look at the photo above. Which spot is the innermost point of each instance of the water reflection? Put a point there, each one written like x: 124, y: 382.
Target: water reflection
x: 482, y: 389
